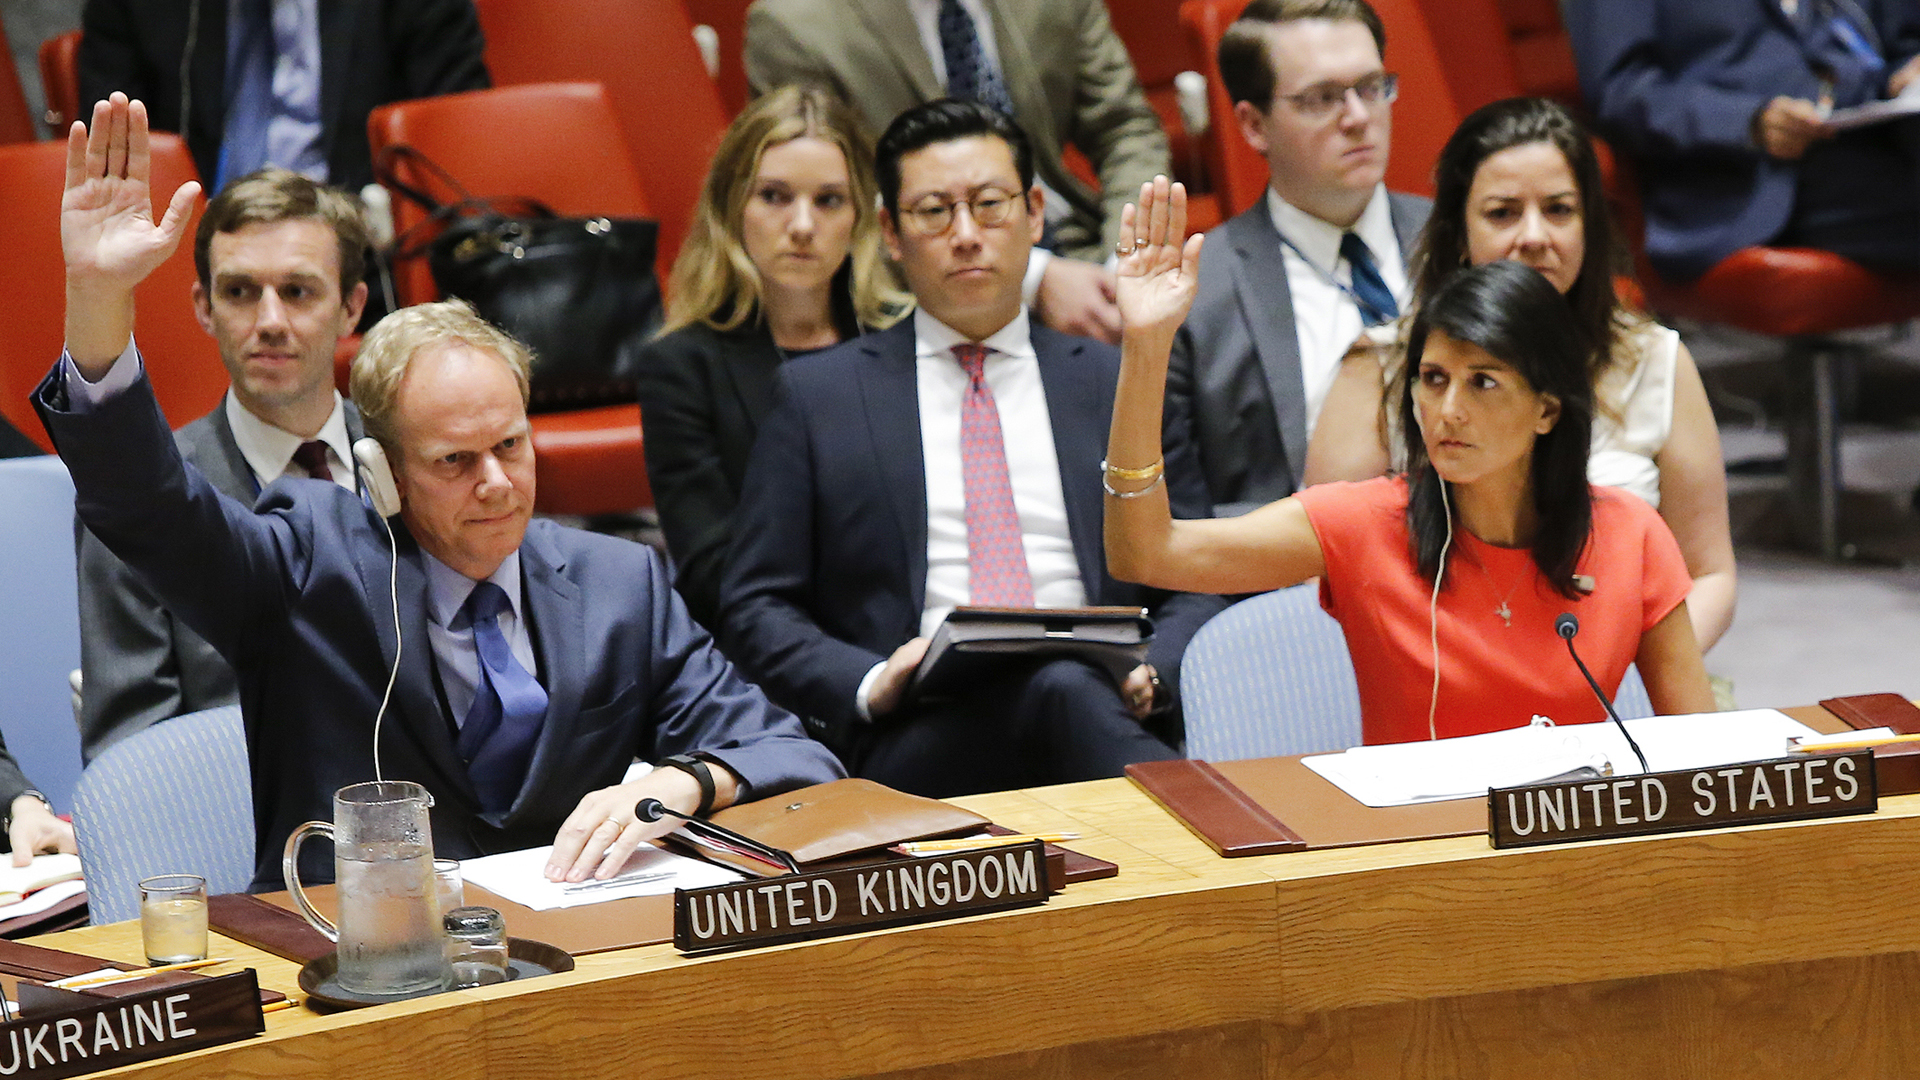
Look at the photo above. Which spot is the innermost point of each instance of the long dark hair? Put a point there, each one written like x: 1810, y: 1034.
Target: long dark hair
x: 1518, y: 317
x: 1504, y: 125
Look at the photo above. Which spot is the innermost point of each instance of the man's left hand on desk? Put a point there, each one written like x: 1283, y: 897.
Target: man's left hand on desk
x: 602, y: 832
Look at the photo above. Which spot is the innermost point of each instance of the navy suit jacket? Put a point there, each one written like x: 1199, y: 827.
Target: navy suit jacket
x: 294, y: 592
x: 828, y: 570
x: 1678, y: 83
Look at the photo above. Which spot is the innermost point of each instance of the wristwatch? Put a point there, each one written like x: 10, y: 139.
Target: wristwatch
x: 6, y: 812
x: 701, y: 772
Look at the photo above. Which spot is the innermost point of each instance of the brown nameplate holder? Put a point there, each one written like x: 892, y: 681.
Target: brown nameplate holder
x: 1896, y: 765
x: 69, y: 1032
x: 800, y: 907
x: 1781, y: 789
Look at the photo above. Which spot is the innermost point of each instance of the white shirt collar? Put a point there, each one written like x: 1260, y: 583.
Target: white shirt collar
x: 1319, y: 241
x: 448, y: 589
x: 269, y: 450
x: 934, y: 338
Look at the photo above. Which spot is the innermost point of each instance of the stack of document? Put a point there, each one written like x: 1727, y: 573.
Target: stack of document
x: 521, y: 876
x: 1401, y: 774
x: 37, y: 886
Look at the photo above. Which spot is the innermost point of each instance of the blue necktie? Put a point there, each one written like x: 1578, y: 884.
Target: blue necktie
x: 969, y: 76
x: 508, y: 708
x: 249, y: 90
x: 1369, y: 288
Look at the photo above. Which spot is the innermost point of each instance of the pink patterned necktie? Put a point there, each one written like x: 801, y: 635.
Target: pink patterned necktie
x: 996, y: 558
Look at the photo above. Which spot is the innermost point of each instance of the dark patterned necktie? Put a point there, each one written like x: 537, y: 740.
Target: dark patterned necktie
x: 312, y: 456
x: 969, y: 76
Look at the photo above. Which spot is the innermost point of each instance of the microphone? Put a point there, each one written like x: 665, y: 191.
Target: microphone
x: 1567, y: 625
x: 718, y: 836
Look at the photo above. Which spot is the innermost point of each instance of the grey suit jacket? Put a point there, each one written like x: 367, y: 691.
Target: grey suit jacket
x: 1235, y: 370
x: 139, y: 664
x: 295, y: 593
x: 1067, y: 72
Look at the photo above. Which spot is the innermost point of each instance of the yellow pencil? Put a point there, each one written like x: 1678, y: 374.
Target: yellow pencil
x: 1852, y: 744
x: 139, y: 973
x: 278, y: 1005
x: 935, y: 847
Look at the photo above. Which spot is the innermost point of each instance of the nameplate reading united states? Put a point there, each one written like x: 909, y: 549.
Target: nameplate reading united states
x: 62, y: 1037
x: 1781, y: 789
x: 830, y: 902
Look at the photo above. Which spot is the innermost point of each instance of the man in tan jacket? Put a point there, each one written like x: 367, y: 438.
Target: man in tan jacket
x: 1056, y: 66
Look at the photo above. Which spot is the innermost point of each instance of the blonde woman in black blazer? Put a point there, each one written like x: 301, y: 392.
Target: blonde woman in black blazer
x: 784, y: 258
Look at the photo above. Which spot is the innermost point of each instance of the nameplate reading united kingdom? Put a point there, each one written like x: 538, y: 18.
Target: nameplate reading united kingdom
x: 67, y: 1034
x: 797, y: 907
x: 1781, y: 789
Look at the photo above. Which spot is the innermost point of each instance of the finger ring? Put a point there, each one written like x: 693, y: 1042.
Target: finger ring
x: 1140, y: 244
x: 1124, y: 248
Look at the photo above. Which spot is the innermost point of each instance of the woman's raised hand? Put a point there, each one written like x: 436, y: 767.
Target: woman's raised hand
x: 1158, y: 273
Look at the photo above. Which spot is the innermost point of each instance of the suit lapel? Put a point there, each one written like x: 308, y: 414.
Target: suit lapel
x: 890, y: 22
x: 1261, y: 283
x: 751, y: 369
x: 1021, y: 75
x: 1408, y: 220
x: 416, y: 714
x: 890, y: 397
x: 552, y: 603
x: 1078, y: 408
x: 230, y: 471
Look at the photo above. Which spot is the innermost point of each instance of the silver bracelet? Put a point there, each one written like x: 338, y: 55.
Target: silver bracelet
x: 1132, y: 494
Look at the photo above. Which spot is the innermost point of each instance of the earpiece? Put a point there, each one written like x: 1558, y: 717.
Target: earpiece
x: 377, y: 477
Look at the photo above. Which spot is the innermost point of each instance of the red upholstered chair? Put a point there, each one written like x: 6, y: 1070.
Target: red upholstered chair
x: 1423, y: 118
x: 1809, y: 298
x: 182, y: 359
x: 1150, y: 29
x: 558, y: 143
x: 60, y: 80
x: 728, y: 20
x: 16, y: 119
x: 643, y: 52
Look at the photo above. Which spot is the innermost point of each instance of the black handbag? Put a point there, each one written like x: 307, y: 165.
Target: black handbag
x: 580, y: 292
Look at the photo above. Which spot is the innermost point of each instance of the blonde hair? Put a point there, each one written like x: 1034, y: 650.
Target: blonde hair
x: 394, y: 341
x: 713, y: 280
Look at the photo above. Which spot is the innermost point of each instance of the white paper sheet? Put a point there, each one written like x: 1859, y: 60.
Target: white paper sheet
x: 1402, y: 774
x: 521, y: 876
x: 42, y: 899
x: 1907, y: 103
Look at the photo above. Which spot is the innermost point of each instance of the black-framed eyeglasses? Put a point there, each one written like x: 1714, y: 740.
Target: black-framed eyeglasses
x: 1323, y: 100
x: 991, y: 207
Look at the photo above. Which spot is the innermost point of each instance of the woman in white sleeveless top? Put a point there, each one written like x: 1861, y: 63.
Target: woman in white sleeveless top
x: 1519, y: 180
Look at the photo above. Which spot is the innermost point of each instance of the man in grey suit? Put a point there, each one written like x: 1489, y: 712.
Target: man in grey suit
x: 435, y: 632
x: 280, y: 262
x: 1056, y: 67
x: 1289, y: 284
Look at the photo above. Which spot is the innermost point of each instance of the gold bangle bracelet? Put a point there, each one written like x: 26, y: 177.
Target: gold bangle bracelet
x: 1116, y: 472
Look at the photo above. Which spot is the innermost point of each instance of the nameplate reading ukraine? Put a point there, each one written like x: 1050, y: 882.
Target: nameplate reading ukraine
x: 1780, y: 789
x: 109, y: 1032
x: 798, y: 907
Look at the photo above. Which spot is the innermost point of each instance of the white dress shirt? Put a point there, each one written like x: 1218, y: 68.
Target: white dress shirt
x: 1012, y: 372
x: 269, y: 449
x: 1325, y: 317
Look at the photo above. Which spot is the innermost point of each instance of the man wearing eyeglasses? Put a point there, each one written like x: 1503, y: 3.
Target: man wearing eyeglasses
x: 1288, y: 285
x: 952, y: 459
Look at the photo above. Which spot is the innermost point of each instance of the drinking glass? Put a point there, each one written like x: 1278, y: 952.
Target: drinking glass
x: 173, y: 918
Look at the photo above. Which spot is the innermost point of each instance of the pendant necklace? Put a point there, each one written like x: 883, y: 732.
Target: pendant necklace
x: 1502, y: 610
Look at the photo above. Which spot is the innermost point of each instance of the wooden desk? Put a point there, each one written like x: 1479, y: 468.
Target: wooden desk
x: 1775, y: 951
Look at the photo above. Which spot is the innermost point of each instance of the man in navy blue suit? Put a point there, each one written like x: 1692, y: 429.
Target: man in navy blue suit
x: 534, y: 662
x: 1723, y: 105
x: 953, y: 459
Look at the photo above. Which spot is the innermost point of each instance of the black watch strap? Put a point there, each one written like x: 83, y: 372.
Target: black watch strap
x: 701, y: 772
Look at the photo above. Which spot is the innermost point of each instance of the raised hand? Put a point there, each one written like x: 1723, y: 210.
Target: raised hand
x: 107, y: 231
x: 1158, y: 272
